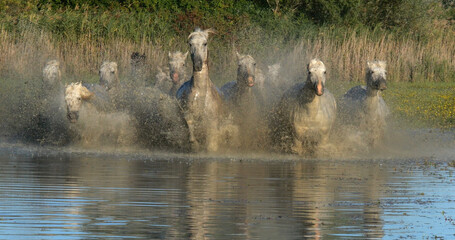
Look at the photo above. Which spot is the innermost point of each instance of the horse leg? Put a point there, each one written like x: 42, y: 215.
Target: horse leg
x: 212, y: 140
x: 192, y: 138
x: 297, y: 147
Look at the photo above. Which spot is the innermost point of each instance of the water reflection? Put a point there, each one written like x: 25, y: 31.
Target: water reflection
x: 84, y: 197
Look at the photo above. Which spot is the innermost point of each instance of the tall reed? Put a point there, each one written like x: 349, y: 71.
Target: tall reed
x: 409, y: 60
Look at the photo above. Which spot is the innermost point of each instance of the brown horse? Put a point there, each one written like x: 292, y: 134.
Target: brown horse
x: 199, y: 98
x: 138, y: 65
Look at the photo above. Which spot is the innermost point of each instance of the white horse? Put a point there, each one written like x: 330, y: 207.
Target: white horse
x: 305, y: 115
x: 199, y: 98
x: 51, y: 73
x: 244, y: 101
x: 88, y: 115
x: 109, y: 75
x: 177, y: 73
x: 363, y: 107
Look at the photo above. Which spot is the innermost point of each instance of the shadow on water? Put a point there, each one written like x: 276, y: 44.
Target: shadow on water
x: 75, y: 193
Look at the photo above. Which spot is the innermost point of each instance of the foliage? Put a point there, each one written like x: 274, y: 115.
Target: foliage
x: 402, y: 14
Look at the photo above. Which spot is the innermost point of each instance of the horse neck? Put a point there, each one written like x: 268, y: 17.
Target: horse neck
x: 372, y: 100
x: 244, y: 93
x: 58, y: 87
x: 310, y: 100
x: 307, y: 94
x: 201, y: 79
x: 242, y: 88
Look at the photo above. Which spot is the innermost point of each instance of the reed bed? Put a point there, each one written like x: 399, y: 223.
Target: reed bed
x: 408, y: 59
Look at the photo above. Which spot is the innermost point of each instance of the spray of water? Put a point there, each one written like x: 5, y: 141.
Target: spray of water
x: 145, y: 117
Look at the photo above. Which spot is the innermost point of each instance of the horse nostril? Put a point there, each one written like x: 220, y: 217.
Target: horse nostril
x: 73, y: 116
x: 380, y: 85
x: 198, y: 64
x: 250, y: 81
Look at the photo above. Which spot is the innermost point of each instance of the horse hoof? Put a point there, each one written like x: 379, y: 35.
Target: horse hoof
x: 195, y: 146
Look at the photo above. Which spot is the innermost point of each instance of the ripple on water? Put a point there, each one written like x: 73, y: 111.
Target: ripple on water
x: 58, y: 194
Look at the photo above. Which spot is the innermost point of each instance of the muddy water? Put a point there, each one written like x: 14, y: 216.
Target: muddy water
x: 69, y: 194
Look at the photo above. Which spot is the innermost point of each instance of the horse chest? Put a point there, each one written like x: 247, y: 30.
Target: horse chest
x: 375, y: 111
x: 202, y: 104
x: 245, y: 101
x: 310, y: 119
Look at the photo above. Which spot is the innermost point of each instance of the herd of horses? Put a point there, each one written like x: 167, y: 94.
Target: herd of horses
x: 197, y: 116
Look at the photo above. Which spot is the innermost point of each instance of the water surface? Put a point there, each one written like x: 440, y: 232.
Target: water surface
x: 56, y: 193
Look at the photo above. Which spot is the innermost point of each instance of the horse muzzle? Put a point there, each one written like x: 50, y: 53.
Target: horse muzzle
x: 73, y: 116
x: 381, y: 84
x: 319, y: 88
x: 175, y: 77
x: 197, y: 63
x: 250, y: 81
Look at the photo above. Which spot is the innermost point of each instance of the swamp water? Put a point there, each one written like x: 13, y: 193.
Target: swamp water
x: 70, y: 193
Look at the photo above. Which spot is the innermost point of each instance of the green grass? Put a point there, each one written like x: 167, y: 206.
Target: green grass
x: 422, y: 104
x: 414, y: 105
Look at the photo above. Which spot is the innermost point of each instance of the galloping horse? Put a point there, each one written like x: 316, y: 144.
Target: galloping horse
x: 199, y: 98
x: 305, y: 115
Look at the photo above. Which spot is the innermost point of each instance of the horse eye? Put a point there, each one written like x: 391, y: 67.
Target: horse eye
x: 325, y: 72
x: 254, y: 64
x: 205, y: 44
x: 78, y: 98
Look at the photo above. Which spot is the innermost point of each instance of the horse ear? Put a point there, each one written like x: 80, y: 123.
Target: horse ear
x: 382, y: 64
x: 185, y: 55
x: 85, y: 93
x: 315, y: 63
x: 238, y: 55
x: 67, y: 87
x: 369, y: 64
x: 209, y: 30
x: 169, y: 54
